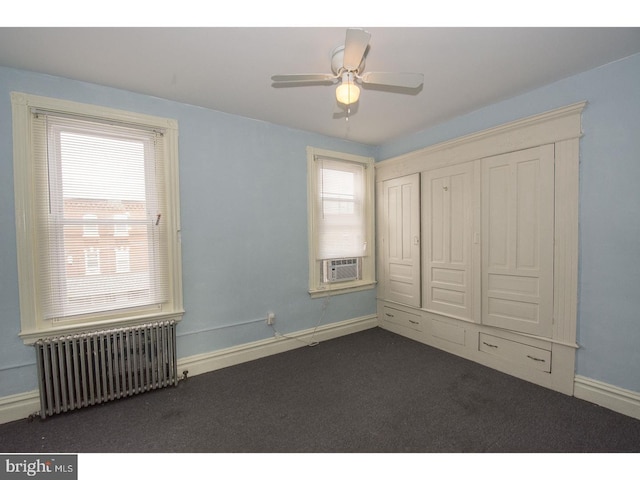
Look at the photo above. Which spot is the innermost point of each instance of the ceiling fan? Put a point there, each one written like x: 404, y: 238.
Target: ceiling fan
x: 347, y: 65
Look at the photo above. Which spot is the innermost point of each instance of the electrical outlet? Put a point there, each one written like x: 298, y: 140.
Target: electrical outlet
x: 271, y: 318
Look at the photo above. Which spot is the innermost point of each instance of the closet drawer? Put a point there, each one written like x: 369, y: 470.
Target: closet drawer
x: 512, y: 351
x: 402, y: 318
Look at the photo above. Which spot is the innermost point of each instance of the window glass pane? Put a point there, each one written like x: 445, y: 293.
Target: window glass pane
x: 121, y: 229
x: 90, y: 227
x: 123, y: 263
x: 338, y: 192
x: 96, y: 167
x: 340, y: 217
x: 102, y: 201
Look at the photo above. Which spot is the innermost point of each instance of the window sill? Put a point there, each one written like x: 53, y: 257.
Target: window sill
x: 339, y: 289
x: 31, y: 337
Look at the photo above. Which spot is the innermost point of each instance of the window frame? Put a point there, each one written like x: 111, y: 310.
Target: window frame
x: 317, y: 288
x: 33, y: 326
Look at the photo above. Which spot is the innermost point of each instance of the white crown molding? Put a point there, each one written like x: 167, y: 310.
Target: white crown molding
x: 549, y: 127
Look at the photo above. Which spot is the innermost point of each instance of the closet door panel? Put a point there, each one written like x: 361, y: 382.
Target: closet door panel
x: 447, y: 223
x: 401, y: 242
x: 517, y: 248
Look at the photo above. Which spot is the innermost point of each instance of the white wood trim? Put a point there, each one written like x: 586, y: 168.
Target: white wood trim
x: 609, y: 396
x: 549, y: 127
x: 381, y: 240
x: 405, y: 220
x: 32, y: 325
x: 24, y: 191
x: 96, y: 111
x: 316, y: 288
x: 20, y: 406
x: 340, y: 289
x: 476, y: 247
x: 207, y: 362
x: 174, y: 238
x: 32, y: 336
x: 560, y: 129
x: 537, y: 240
x: 566, y: 233
x: 464, y: 311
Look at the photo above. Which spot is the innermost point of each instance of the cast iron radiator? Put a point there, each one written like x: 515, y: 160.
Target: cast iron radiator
x: 91, y: 368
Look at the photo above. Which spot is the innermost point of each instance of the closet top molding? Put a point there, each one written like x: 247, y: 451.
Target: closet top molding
x: 541, y: 129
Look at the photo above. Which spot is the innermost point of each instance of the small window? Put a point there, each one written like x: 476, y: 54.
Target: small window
x: 90, y: 227
x: 123, y: 263
x: 121, y: 229
x: 341, y: 239
x: 92, y: 261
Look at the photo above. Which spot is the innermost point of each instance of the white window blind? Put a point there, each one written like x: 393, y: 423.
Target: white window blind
x: 100, y: 191
x: 340, y: 214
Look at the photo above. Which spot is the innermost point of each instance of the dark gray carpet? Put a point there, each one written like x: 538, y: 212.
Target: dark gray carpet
x: 372, y: 391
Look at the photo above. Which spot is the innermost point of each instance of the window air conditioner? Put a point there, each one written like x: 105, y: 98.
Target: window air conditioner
x: 340, y: 270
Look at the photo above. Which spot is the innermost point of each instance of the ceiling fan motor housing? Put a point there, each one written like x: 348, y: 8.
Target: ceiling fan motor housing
x: 337, y: 61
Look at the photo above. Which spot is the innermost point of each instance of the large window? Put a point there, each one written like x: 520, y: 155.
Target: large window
x: 97, y: 213
x: 341, y: 240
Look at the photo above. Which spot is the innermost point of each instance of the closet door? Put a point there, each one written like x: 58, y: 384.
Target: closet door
x: 401, y: 239
x: 448, y: 223
x: 517, y: 240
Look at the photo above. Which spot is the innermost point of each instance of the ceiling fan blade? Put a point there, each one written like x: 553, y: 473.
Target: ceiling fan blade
x: 354, y: 47
x: 304, y: 77
x: 407, y: 80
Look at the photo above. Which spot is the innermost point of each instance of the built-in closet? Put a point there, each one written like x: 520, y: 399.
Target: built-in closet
x: 478, y: 246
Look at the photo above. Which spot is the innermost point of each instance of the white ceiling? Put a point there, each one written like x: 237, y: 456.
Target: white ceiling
x: 229, y: 68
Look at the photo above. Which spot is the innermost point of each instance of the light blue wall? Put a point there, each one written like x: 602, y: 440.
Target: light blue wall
x: 609, y: 268
x: 244, y: 225
x: 243, y: 207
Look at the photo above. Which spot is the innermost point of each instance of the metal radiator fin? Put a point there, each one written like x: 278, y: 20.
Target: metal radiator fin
x: 87, y: 369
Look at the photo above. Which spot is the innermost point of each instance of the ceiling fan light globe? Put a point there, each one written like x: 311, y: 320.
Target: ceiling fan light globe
x: 347, y: 93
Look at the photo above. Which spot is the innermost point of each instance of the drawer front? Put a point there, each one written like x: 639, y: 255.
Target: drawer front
x: 402, y: 318
x: 511, y: 351
x: 447, y: 331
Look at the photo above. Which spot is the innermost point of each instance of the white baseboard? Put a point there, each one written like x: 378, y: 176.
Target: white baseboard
x: 17, y: 407
x: 207, y: 362
x: 614, y: 398
x: 23, y: 405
